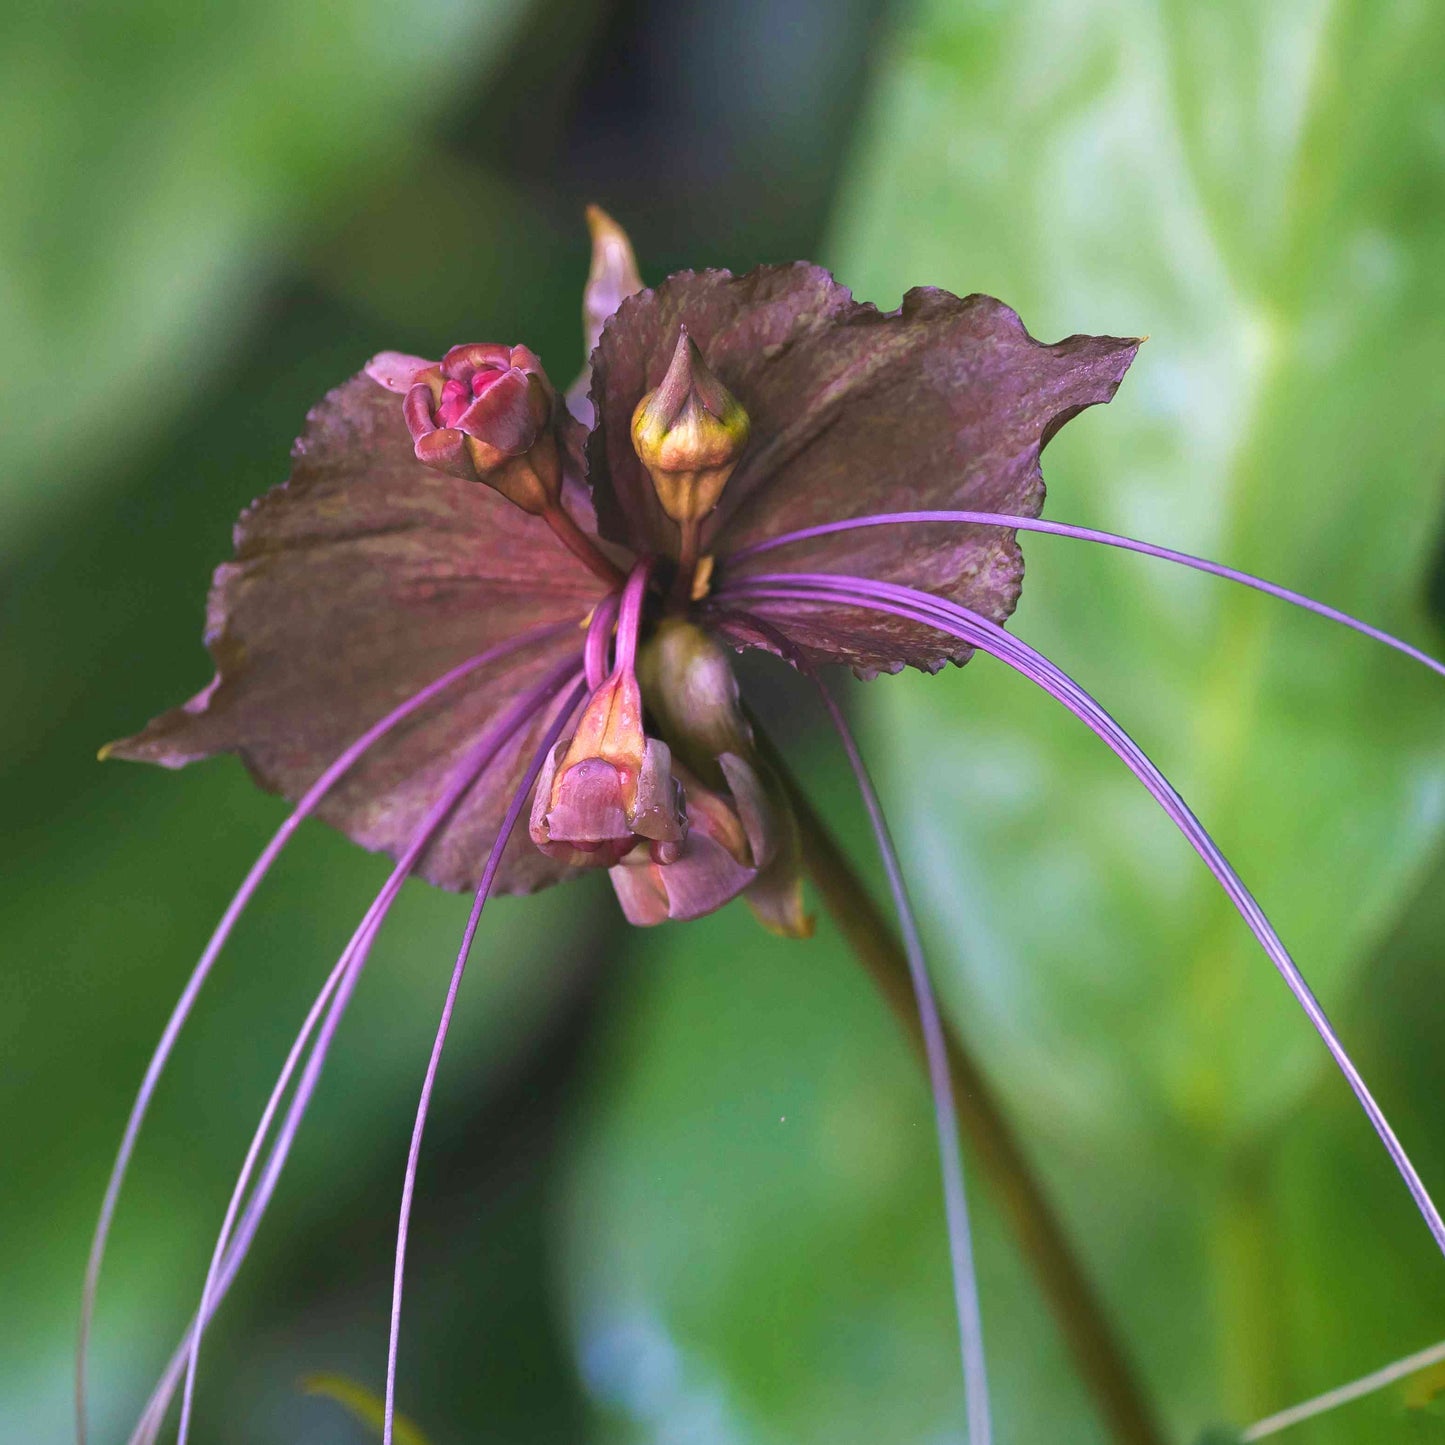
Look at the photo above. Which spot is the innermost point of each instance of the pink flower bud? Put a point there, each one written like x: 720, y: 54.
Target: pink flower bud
x: 610, y: 788
x: 484, y: 413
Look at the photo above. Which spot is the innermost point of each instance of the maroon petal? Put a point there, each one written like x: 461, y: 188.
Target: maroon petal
x: 590, y: 807
x: 946, y: 402
x: 461, y: 361
x: 703, y: 878
x: 502, y: 415
x: 446, y: 451
x: 355, y: 584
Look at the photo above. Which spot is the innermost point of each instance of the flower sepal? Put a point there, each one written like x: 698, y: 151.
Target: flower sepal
x: 611, y: 279
x: 737, y: 844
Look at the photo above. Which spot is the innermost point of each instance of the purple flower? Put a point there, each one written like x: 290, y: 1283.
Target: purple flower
x: 403, y: 647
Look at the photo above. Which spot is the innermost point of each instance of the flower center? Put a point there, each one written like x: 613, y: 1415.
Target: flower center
x: 457, y: 395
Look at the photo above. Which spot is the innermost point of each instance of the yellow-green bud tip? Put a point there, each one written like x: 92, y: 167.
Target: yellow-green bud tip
x: 689, y: 434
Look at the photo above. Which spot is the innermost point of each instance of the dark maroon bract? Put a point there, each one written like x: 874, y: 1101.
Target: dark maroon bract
x: 369, y: 573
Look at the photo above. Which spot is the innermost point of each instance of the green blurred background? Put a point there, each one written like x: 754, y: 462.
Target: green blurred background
x: 680, y: 1186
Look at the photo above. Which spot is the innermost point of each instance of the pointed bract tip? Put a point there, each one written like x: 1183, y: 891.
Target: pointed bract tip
x: 686, y: 365
x: 612, y: 277
x: 781, y: 908
x: 604, y: 228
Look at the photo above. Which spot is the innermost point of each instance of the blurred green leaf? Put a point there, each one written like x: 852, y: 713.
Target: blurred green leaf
x: 1281, y: 417
x: 1245, y: 183
x: 756, y: 1244
x: 1262, y: 188
x: 156, y: 160
x: 1423, y: 1391
x: 364, y: 1404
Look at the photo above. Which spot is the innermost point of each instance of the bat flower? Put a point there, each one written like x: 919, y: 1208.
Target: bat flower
x: 476, y: 602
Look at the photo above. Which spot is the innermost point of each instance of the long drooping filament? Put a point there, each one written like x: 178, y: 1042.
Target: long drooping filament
x: 1108, y: 539
x: 153, y: 1416
x: 629, y: 613
x: 955, y: 621
x: 597, y: 648
x: 408, y: 1188
x: 960, y: 1239
x: 308, y: 804
x: 228, y: 1255
x: 1343, y: 1394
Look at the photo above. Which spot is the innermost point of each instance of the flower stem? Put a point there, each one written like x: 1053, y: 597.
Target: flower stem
x: 688, y: 548
x: 1039, y: 1233
x: 582, y: 546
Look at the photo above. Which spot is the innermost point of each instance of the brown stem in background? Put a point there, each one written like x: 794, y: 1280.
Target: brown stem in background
x: 582, y: 547
x: 1037, y: 1229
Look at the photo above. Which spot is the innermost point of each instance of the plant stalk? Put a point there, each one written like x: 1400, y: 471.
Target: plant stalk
x: 687, y: 553
x: 582, y: 547
x: 1037, y: 1229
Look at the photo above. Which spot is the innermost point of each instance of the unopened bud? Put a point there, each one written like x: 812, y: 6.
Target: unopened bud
x: 687, y: 679
x: 610, y: 788
x: 689, y: 434
x: 484, y: 413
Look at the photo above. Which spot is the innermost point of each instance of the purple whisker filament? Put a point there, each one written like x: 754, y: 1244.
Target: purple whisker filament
x: 408, y: 1190
x: 959, y: 622
x: 960, y: 1239
x: 308, y: 804
x: 229, y: 1253
x: 599, y: 641
x: 219, y: 1282
x: 629, y: 613
x: 1108, y: 539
